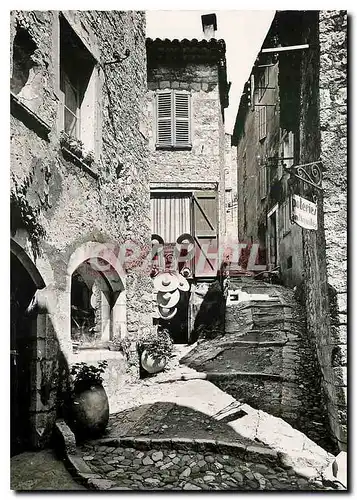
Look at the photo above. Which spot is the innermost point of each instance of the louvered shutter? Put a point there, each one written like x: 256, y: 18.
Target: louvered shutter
x: 205, y: 232
x: 164, y: 120
x: 182, y: 119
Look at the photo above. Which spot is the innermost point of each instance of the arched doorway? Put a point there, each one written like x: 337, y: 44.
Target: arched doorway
x: 98, y: 311
x: 24, y: 281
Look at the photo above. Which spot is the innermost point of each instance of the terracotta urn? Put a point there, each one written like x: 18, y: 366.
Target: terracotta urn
x: 151, y: 363
x: 89, y: 410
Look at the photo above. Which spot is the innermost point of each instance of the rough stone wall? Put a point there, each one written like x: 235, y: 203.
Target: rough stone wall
x: 323, y: 96
x: 231, y: 188
x: 73, y: 206
x: 205, y: 161
x: 252, y: 209
x: 333, y: 119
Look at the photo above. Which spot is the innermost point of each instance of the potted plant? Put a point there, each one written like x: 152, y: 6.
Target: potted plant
x: 155, y: 351
x: 89, y: 406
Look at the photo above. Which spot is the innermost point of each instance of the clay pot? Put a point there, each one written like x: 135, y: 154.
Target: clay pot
x: 152, y: 364
x: 89, y: 412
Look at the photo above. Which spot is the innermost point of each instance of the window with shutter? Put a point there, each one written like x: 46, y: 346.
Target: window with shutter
x: 77, y: 87
x: 173, y: 119
x: 164, y: 119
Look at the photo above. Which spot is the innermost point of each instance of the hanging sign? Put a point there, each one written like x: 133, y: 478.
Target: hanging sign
x: 304, y: 212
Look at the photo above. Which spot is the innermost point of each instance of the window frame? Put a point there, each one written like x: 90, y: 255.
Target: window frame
x: 263, y: 83
x: 263, y: 182
x: 66, y: 81
x: 262, y: 122
x: 87, y: 83
x: 173, y: 120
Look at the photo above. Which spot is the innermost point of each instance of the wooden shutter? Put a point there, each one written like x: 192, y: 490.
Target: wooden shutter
x: 205, y: 222
x: 164, y: 119
x: 182, y: 119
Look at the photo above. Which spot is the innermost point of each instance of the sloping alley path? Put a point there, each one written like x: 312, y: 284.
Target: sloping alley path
x: 265, y: 358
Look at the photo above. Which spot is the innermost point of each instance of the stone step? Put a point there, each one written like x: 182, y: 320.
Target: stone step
x: 197, y: 357
x: 254, y: 335
x: 240, y: 344
x: 246, y: 359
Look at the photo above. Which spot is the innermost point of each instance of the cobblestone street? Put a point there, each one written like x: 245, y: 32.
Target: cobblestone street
x: 128, y: 468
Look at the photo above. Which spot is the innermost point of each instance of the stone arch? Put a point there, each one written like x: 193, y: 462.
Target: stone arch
x: 33, y: 388
x: 27, y: 263
x: 97, y: 266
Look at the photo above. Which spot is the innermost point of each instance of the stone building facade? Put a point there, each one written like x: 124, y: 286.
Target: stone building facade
x: 306, y: 122
x: 79, y: 194
x: 266, y: 141
x: 187, y: 94
x: 325, y: 251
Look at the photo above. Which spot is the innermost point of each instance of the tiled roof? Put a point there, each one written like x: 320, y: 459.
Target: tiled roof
x: 191, y: 50
x: 212, y: 43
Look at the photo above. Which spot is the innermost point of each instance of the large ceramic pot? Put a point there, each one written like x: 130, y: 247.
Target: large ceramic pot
x: 152, y: 364
x: 89, y: 412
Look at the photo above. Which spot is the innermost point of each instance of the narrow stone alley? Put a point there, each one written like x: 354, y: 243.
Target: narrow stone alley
x: 178, y: 249
x: 265, y: 357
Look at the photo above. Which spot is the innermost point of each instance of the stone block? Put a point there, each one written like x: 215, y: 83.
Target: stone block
x: 196, y: 86
x: 340, y: 375
x: 260, y: 454
x: 153, y: 85
x: 101, y: 484
x: 339, y: 468
x: 77, y: 464
x: 228, y: 448
x: 183, y: 443
x: 342, y: 302
x: 64, y: 438
x: 164, y: 84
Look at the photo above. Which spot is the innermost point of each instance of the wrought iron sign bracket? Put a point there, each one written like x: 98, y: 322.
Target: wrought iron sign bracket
x: 308, y: 172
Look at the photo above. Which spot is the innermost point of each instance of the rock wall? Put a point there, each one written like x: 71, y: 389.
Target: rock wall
x: 68, y: 212
x: 323, y: 132
x: 333, y: 117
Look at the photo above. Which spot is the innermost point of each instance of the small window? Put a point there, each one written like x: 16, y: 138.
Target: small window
x: 262, y: 117
x: 77, y: 87
x: 289, y: 262
x: 173, y: 127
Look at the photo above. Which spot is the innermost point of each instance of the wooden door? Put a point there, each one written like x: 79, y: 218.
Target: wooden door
x: 205, y: 227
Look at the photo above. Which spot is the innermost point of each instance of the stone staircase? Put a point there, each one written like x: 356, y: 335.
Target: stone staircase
x: 262, y: 358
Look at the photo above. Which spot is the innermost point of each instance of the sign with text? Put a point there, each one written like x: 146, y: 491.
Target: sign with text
x: 304, y: 212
